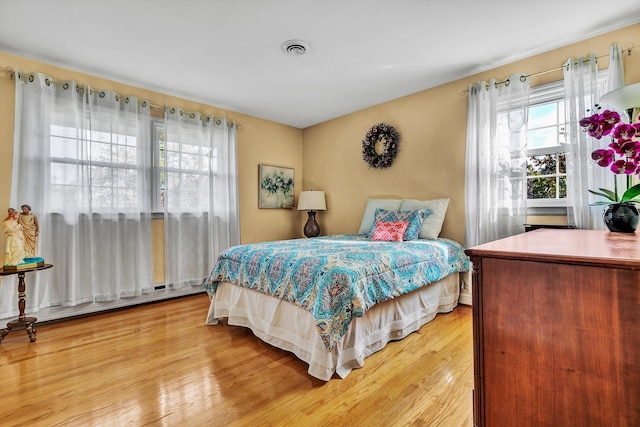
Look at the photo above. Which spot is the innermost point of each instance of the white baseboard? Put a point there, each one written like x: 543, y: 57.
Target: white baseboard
x: 465, y: 299
x: 465, y: 289
x: 62, y: 312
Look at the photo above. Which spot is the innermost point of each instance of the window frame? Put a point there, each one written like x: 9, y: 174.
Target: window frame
x: 154, y: 170
x: 545, y: 94
x: 157, y: 130
x: 157, y: 127
x: 554, y: 91
x: 83, y: 158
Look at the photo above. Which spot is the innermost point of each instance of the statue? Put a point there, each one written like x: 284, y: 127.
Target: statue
x: 14, y: 243
x: 31, y: 229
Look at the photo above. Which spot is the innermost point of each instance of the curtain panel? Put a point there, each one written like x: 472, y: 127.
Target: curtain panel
x: 89, y: 165
x: 200, y: 199
x: 79, y: 160
x: 581, y: 86
x: 496, y: 156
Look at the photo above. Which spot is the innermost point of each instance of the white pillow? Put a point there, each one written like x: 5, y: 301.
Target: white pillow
x: 432, y: 224
x: 370, y: 211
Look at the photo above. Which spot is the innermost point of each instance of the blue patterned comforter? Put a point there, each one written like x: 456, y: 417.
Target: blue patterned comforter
x: 337, y: 278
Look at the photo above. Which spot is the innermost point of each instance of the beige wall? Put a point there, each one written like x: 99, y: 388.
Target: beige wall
x: 432, y: 125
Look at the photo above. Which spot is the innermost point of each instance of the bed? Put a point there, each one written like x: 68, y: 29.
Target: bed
x: 334, y: 300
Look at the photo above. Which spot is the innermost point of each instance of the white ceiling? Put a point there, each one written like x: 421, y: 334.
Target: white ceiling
x: 226, y: 53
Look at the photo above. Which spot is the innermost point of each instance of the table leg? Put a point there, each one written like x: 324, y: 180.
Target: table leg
x: 22, y: 321
x: 31, y: 330
x: 22, y: 295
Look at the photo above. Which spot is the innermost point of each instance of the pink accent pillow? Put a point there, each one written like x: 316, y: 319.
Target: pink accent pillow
x: 390, y: 231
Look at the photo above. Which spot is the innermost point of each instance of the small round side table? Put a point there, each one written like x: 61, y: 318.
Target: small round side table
x: 22, y: 321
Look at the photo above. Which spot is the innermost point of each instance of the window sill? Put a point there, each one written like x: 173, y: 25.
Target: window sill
x: 547, y: 207
x: 547, y: 210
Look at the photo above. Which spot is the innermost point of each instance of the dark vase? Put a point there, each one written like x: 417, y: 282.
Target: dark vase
x: 621, y: 217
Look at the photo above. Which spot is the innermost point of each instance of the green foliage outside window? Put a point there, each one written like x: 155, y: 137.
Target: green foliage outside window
x: 546, y: 176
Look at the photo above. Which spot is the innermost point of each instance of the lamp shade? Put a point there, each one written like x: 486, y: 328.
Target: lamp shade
x: 625, y: 98
x: 312, y: 201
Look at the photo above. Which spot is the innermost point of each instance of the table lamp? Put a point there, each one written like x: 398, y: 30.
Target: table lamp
x: 626, y: 98
x: 312, y: 201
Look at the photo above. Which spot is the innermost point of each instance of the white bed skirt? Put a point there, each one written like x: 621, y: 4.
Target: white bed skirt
x: 291, y: 328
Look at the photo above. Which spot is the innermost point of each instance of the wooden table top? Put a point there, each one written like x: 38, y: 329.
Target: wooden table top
x: 4, y: 272
x: 568, y: 246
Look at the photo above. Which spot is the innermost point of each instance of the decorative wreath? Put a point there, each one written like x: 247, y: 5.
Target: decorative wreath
x: 388, y: 137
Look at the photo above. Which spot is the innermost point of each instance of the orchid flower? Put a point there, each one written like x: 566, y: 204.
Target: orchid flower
x: 603, y: 157
x: 622, y: 156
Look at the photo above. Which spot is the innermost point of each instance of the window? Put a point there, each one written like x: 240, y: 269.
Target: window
x: 186, y: 174
x: 546, y: 161
x: 110, y: 158
x: 107, y: 158
x: 546, y: 154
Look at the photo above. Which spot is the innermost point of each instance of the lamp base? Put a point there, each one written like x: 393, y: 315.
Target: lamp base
x: 311, y: 228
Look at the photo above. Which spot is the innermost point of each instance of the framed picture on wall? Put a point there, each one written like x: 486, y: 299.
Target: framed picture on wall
x: 275, y: 187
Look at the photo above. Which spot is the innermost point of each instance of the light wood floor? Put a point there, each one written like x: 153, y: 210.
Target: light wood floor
x: 159, y: 364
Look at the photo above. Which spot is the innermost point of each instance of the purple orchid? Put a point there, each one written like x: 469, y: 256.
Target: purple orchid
x: 622, y: 156
x: 603, y: 157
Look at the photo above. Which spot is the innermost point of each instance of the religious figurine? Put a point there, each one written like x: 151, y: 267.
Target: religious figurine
x: 14, y: 239
x: 31, y: 229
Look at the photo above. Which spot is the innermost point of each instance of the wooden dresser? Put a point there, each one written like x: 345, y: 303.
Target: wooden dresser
x: 556, y: 328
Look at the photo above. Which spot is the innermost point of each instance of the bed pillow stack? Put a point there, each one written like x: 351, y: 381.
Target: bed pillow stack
x: 430, y: 226
x: 413, y: 219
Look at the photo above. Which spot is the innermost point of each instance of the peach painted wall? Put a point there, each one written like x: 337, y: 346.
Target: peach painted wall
x: 432, y: 125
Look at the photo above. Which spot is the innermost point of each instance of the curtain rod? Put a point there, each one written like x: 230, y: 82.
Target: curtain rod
x: 12, y: 76
x: 523, y: 77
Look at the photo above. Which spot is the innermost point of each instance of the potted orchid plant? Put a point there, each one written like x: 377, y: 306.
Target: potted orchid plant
x: 622, y: 157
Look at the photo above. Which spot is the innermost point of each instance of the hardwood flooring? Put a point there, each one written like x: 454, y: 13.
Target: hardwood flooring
x: 160, y: 365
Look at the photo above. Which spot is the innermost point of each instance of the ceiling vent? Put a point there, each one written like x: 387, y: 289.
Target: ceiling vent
x: 294, y: 47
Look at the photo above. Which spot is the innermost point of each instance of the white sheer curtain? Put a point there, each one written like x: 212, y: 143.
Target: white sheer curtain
x: 581, y: 97
x: 82, y: 160
x: 615, y: 73
x: 119, y: 165
x: 496, y: 155
x: 200, y: 194
x: 615, y: 80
